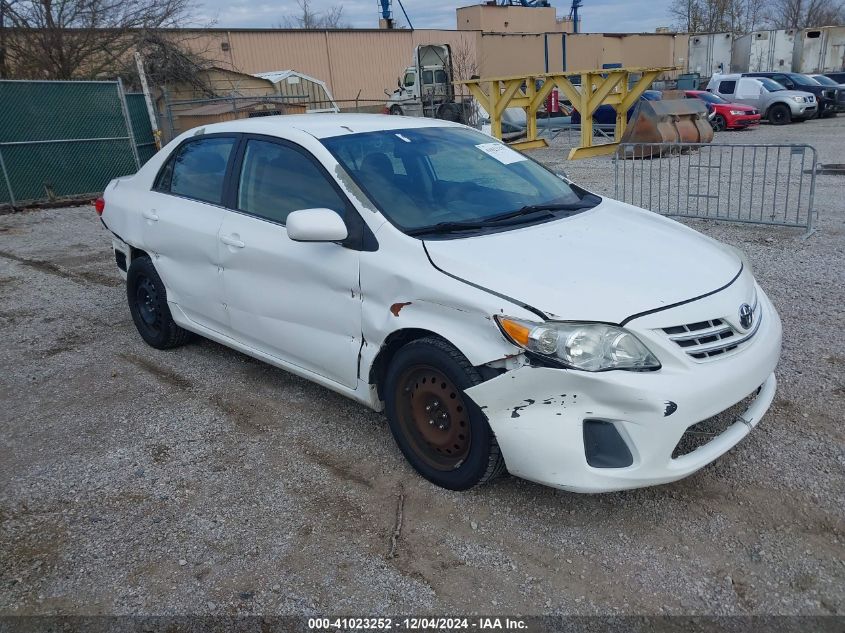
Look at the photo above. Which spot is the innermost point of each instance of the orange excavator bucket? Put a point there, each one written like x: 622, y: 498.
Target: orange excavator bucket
x: 666, y: 121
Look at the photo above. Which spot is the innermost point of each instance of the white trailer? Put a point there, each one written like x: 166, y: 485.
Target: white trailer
x: 764, y: 51
x: 709, y: 53
x: 820, y: 50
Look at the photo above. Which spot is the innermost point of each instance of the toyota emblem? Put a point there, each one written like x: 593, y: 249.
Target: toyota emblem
x: 746, y: 316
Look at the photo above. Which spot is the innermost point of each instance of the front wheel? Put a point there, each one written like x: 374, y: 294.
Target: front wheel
x: 779, y: 114
x: 719, y: 124
x: 440, y: 430
x: 395, y: 110
x: 148, y: 305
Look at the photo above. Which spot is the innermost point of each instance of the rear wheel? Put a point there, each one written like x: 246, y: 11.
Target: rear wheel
x: 719, y: 123
x: 779, y: 114
x: 450, y: 112
x: 440, y: 430
x: 148, y: 305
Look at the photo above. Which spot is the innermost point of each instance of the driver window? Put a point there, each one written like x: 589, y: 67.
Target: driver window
x: 410, y: 79
x: 276, y: 179
x: 785, y: 81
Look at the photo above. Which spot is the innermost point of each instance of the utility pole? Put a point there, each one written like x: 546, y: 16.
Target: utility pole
x: 139, y: 63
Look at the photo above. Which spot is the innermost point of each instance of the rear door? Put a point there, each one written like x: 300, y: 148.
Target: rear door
x: 297, y: 301
x: 181, y: 220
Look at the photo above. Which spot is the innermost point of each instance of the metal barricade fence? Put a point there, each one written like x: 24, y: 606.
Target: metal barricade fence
x: 62, y: 139
x: 751, y: 183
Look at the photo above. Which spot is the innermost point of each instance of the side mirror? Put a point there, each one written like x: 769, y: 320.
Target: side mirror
x: 315, y: 225
x: 399, y: 84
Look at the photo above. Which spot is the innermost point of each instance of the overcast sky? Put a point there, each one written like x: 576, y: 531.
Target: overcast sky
x: 596, y: 15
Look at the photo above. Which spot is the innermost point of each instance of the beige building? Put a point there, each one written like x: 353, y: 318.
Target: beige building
x: 491, y: 41
x: 494, y: 18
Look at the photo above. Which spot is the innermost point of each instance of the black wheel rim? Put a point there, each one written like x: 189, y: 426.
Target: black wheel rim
x: 718, y: 124
x: 147, y: 305
x: 433, y: 416
x: 778, y: 116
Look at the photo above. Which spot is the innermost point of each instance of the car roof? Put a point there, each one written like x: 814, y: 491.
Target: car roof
x: 325, y: 125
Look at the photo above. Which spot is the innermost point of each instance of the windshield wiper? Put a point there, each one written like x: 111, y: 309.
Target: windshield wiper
x: 502, y: 219
x: 447, y: 227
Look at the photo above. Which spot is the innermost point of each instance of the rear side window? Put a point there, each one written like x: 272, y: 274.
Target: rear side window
x: 276, y: 179
x: 727, y: 87
x: 197, y: 170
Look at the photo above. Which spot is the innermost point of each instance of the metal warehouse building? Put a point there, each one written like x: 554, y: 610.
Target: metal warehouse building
x: 364, y: 63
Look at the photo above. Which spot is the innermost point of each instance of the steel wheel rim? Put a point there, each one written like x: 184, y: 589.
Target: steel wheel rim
x: 146, y: 302
x: 433, y: 415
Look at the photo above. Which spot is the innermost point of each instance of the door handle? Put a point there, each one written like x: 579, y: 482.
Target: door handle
x: 232, y: 241
x: 151, y: 215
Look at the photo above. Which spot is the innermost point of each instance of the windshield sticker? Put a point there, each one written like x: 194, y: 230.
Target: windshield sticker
x: 501, y: 153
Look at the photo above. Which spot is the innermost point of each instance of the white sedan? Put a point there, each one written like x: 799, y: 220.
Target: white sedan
x: 501, y: 316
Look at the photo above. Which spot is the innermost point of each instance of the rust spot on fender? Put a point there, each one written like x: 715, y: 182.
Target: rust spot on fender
x: 396, y: 308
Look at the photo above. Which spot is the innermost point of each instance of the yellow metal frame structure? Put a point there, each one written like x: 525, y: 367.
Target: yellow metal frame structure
x: 608, y: 86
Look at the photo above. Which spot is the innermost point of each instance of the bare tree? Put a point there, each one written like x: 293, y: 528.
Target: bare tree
x: 168, y: 60
x: 717, y: 16
x: 798, y: 14
x: 307, y: 18
x: 65, y: 39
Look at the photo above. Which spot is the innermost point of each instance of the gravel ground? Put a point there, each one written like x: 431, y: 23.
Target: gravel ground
x: 201, y: 481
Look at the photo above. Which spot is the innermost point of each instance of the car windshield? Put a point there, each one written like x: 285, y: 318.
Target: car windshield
x: 710, y: 97
x: 804, y: 80
x: 770, y: 84
x: 448, y: 180
x: 825, y: 81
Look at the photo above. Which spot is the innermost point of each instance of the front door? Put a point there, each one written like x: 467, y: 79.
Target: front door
x: 297, y: 301
x: 181, y: 220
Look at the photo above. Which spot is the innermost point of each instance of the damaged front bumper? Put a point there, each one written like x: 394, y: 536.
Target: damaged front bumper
x: 616, y: 430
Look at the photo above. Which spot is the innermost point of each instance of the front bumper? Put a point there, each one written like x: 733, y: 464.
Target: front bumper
x: 537, y: 413
x: 804, y: 111
x: 743, y: 121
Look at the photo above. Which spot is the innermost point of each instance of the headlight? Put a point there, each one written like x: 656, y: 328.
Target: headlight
x: 587, y: 346
x: 738, y: 112
x: 798, y: 99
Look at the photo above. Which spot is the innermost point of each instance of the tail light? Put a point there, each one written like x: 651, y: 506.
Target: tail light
x: 99, y: 206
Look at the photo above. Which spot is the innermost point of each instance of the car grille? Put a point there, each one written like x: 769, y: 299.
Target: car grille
x: 704, y: 340
x: 704, y: 432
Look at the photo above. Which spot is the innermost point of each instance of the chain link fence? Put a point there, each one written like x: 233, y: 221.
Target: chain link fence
x: 748, y: 183
x: 67, y: 139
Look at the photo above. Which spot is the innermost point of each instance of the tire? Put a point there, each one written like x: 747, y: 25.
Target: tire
x: 147, y: 299
x: 441, y: 431
x: 779, y: 114
x: 395, y: 110
x: 450, y: 112
x: 719, y: 124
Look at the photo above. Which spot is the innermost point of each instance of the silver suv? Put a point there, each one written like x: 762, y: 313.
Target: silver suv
x: 777, y: 104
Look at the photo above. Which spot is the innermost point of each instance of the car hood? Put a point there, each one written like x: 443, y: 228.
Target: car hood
x: 792, y: 93
x: 604, y: 264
